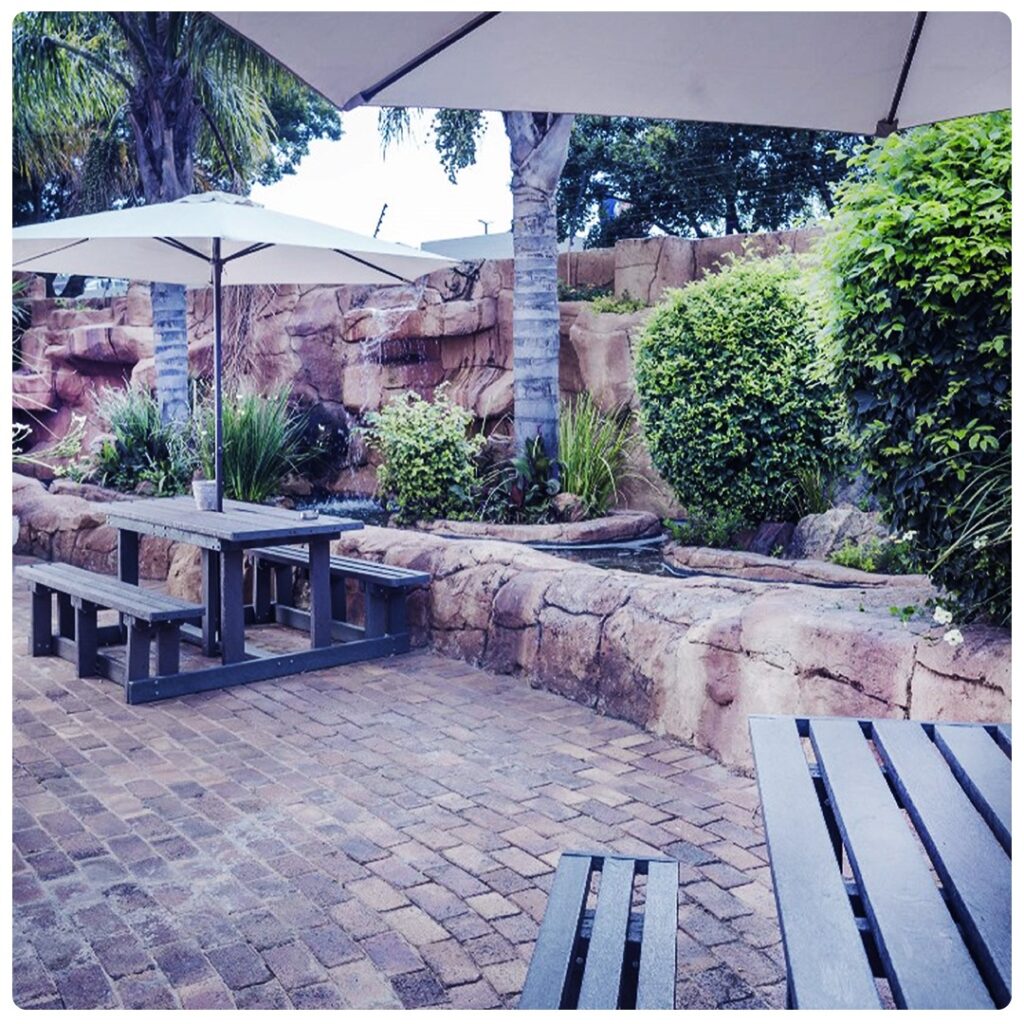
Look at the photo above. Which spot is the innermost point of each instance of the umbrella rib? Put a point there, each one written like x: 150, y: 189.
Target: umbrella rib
x: 399, y: 73
x: 174, y: 243
x: 49, y: 252
x: 372, y: 266
x: 255, y: 247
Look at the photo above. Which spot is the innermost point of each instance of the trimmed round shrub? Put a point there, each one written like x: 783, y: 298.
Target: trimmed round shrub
x: 428, y: 460
x: 730, y: 408
x: 918, y: 306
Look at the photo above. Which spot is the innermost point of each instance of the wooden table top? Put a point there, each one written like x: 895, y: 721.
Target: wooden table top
x: 240, y: 523
x: 890, y: 848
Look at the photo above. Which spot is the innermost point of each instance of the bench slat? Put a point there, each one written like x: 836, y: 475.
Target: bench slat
x: 983, y: 770
x: 656, y: 985
x: 545, y: 979
x: 903, y: 904
x: 109, y: 592
x: 826, y: 961
x: 377, y: 572
x: 602, y: 976
x: 974, y: 868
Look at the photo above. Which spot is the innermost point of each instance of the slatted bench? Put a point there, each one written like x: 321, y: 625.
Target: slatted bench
x: 890, y: 848
x: 385, y: 589
x: 147, y: 615
x: 604, y: 950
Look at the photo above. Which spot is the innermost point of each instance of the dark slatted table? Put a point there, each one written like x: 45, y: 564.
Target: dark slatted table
x: 223, y: 538
x: 890, y: 856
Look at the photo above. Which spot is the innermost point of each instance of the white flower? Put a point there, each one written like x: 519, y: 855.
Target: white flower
x: 943, y: 616
x: 907, y: 537
x: 980, y: 542
x: 953, y: 637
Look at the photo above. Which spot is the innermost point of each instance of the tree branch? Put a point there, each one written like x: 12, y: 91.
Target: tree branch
x: 91, y: 59
x: 219, y: 139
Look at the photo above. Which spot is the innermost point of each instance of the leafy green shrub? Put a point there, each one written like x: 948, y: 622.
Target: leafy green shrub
x: 520, y: 489
x: 428, y: 468
x: 918, y: 265
x: 582, y: 292
x: 891, y: 555
x: 261, y: 444
x: 702, y: 531
x: 728, y: 402
x: 811, y: 491
x: 593, y: 448
x: 142, y: 449
x: 610, y: 304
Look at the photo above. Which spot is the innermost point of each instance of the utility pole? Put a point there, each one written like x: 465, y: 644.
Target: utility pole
x: 486, y: 224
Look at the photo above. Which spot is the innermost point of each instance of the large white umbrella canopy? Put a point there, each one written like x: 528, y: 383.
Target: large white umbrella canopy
x: 215, y: 239
x: 851, y: 71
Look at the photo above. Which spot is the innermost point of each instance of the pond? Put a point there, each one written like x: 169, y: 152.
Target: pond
x: 641, y: 556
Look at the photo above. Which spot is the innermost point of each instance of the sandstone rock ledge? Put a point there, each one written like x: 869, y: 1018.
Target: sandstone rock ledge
x: 689, y: 658
x: 610, y: 529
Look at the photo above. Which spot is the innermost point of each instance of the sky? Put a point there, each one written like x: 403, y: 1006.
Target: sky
x: 346, y: 183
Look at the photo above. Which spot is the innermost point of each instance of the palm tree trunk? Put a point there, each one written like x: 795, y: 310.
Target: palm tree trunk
x: 170, y: 355
x: 539, y: 146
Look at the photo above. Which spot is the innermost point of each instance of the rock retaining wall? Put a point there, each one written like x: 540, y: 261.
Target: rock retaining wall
x: 690, y: 658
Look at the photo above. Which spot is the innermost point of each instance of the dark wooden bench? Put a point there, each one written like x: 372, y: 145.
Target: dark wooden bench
x: 598, y: 947
x: 890, y: 856
x: 385, y: 589
x: 147, y: 615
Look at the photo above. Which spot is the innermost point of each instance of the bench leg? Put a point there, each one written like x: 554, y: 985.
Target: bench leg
x: 167, y: 649
x: 65, y: 616
x: 42, y: 621
x: 398, y: 621
x: 376, y: 610
x: 86, y: 643
x: 262, y: 573
x: 139, y: 634
x: 339, y: 599
x: 284, y: 586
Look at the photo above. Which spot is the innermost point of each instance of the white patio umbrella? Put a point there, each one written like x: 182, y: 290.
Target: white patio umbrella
x: 854, y: 71
x: 215, y: 239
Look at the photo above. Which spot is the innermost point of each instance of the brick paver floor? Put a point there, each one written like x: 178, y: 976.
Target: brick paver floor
x: 381, y: 835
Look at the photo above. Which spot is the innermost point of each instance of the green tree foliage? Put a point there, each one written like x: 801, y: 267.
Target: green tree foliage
x: 729, y: 405
x: 428, y: 460
x: 919, y: 308
x: 74, y: 145
x: 694, y: 179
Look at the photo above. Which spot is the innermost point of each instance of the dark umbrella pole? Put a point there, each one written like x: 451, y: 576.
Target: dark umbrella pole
x: 218, y: 424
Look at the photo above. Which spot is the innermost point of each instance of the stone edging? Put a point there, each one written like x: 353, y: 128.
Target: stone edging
x: 611, y: 529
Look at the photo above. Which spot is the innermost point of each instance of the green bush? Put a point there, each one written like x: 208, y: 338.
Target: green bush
x: 520, y: 489
x: 428, y: 468
x: 702, y: 531
x: 610, y: 304
x: 142, y: 449
x: 261, y: 444
x: 728, y: 402
x: 593, y: 448
x: 918, y: 303
x: 891, y: 555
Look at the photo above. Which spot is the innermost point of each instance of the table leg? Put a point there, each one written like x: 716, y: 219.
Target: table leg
x: 127, y: 567
x: 211, y: 601
x: 319, y: 592
x: 232, y: 608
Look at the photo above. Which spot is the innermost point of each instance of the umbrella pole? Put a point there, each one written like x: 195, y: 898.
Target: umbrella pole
x: 218, y: 384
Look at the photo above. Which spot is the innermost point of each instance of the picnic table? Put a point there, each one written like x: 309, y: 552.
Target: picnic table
x: 890, y: 846
x: 223, y: 538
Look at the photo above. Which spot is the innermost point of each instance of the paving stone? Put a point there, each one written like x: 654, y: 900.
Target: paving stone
x: 418, y: 989
x: 419, y: 928
x: 183, y: 963
x: 364, y: 988
x: 147, y: 991
x: 331, y: 945
x: 321, y: 996
x: 293, y: 965
x: 239, y: 965
x: 391, y: 953
x: 85, y: 987
x: 268, y: 996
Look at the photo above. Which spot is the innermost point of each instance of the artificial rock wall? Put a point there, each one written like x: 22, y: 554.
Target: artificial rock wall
x: 344, y: 350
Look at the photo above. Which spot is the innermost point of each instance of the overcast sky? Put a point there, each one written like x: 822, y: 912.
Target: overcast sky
x: 347, y: 182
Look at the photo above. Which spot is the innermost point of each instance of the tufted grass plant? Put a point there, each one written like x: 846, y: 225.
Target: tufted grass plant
x: 594, y: 448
